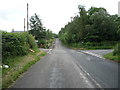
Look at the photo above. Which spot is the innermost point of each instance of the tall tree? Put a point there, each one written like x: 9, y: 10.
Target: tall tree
x: 37, y: 28
x: 94, y: 25
x: 49, y: 34
x: 83, y: 21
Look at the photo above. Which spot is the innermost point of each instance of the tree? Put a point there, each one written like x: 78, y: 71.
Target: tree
x: 94, y: 10
x: 49, y: 34
x: 37, y: 28
x: 94, y: 25
x: 103, y: 24
x: 82, y: 21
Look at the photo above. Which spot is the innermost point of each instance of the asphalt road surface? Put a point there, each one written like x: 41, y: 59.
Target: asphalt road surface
x: 67, y: 68
x: 99, y: 52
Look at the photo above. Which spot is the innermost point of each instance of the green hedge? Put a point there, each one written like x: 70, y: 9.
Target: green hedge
x: 16, y: 44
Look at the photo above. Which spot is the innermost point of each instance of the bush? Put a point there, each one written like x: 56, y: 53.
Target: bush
x: 16, y: 44
x: 31, y: 41
x: 117, y: 50
x: 45, y: 43
x: 41, y: 43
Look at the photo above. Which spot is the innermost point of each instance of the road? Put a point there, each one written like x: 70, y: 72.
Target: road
x: 99, y: 52
x: 67, y: 68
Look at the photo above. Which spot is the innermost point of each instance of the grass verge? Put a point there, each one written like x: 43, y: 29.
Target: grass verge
x: 111, y: 57
x: 91, y: 45
x: 19, y: 65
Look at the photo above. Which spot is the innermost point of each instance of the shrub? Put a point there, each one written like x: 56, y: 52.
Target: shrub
x: 16, y: 44
x: 31, y: 41
x: 45, y: 43
x: 117, y: 50
x: 41, y: 43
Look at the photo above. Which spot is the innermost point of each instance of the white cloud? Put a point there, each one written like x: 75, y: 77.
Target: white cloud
x: 54, y: 13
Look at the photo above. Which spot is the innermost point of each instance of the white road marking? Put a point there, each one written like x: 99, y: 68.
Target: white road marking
x: 49, y: 52
x: 83, y: 76
x: 80, y: 67
x: 99, y: 56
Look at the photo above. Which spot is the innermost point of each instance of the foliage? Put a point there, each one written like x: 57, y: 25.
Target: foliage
x: 31, y: 41
x: 40, y: 33
x: 49, y: 35
x: 16, y: 44
x: 94, y: 25
x: 55, y: 35
x: 92, y: 45
x: 41, y: 43
x: 37, y: 28
x: 117, y: 50
x: 110, y: 56
x: 45, y: 43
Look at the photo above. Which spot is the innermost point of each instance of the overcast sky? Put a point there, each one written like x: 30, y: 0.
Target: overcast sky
x: 54, y: 13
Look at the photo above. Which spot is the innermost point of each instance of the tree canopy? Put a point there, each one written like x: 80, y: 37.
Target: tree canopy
x: 94, y: 25
x: 37, y: 28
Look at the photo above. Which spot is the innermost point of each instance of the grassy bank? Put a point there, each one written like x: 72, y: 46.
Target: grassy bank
x: 112, y: 57
x: 17, y: 66
x: 91, y: 45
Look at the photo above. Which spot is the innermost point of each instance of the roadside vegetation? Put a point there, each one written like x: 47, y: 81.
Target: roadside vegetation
x: 111, y: 57
x: 21, y: 50
x: 45, y: 37
x: 17, y: 66
x: 16, y: 44
x: 92, y: 45
x: 115, y: 55
x: 92, y: 29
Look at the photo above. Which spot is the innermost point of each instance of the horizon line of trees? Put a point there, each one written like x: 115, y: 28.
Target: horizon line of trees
x: 94, y: 25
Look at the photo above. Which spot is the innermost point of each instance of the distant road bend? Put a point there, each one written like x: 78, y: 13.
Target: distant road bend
x: 67, y: 68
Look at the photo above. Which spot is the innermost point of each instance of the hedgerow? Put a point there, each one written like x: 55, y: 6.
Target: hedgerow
x: 16, y: 44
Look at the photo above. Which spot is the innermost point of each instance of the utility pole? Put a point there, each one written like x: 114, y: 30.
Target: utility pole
x: 27, y: 18
x: 24, y: 24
